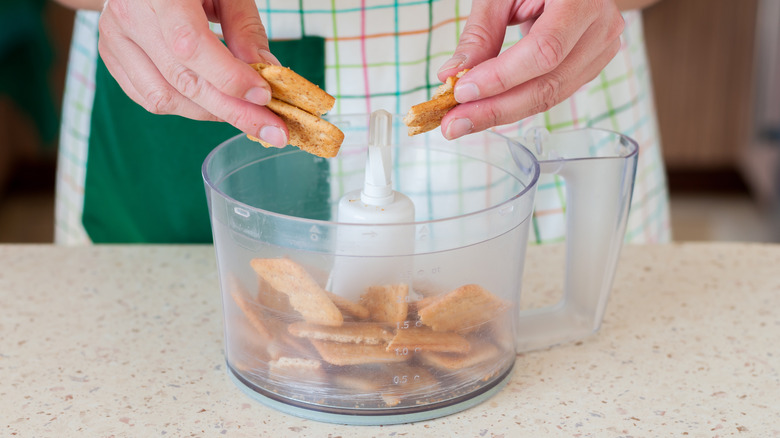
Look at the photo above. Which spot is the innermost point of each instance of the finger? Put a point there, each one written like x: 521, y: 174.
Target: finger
x: 253, y: 119
x: 481, y: 38
x: 525, y: 26
x: 155, y: 62
x: 145, y: 85
x: 114, y: 67
x: 244, y: 32
x: 547, y: 44
x: 185, y: 31
x: 532, y: 97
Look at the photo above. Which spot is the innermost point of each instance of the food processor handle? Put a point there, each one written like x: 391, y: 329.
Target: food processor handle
x: 599, y: 169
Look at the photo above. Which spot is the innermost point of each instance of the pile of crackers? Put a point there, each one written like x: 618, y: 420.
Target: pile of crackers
x: 298, y: 338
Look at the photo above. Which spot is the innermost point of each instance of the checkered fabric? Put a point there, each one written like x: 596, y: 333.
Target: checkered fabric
x: 384, y: 54
x: 74, y: 131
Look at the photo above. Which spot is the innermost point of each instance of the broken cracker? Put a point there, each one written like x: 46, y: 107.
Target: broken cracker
x: 306, y: 296
x: 357, y: 333
x: 427, y: 116
x: 288, y: 86
x: 387, y: 303
x: 300, y: 103
x: 418, y: 339
x: 337, y: 353
x: 302, y: 371
x: 462, y: 310
x: 308, y: 132
x: 349, y: 307
x: 479, y: 353
x: 274, y: 301
x: 249, y: 308
x: 296, y: 362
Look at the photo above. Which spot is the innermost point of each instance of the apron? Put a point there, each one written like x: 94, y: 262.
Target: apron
x: 144, y: 182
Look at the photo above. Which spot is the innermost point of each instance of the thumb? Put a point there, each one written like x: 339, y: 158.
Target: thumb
x: 244, y: 32
x: 481, y: 39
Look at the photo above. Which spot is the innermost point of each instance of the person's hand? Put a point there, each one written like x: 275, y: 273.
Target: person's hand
x: 165, y: 58
x: 565, y: 44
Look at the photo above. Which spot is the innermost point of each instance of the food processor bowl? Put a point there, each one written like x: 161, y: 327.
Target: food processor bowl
x: 430, y: 328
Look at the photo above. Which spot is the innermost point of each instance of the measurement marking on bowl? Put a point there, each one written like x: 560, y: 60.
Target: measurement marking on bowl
x: 241, y: 212
x: 434, y: 270
x: 407, y: 324
x: 315, y: 233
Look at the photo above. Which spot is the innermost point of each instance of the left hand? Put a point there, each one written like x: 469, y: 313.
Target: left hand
x: 565, y: 44
x: 164, y: 56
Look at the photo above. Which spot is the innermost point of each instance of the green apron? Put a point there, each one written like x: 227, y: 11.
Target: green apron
x: 143, y: 182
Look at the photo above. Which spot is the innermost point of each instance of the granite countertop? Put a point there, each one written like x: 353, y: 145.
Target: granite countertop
x: 127, y: 341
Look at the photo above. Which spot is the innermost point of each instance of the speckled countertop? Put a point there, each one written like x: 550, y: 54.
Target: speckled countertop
x: 127, y: 341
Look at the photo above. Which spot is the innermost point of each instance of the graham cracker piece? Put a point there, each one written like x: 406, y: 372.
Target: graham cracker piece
x: 480, y: 352
x: 272, y: 300
x: 462, y: 310
x: 292, y: 88
x: 287, y: 345
x: 251, y: 310
x: 301, y: 370
x: 349, y: 307
x: 277, y: 344
x: 337, y: 353
x: 417, y: 339
x: 307, y: 131
x: 306, y: 296
x: 427, y: 116
x: 387, y: 303
x: 300, y: 103
x: 295, y: 362
x: 357, y: 333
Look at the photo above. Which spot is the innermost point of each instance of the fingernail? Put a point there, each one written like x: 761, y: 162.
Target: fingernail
x: 455, y: 61
x: 274, y: 136
x: 268, y: 57
x: 466, y: 92
x: 458, y: 128
x: 258, y: 95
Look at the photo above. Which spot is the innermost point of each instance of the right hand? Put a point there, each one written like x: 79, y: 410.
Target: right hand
x: 565, y: 44
x: 164, y: 56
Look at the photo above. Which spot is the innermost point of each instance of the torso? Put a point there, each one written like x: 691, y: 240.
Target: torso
x: 383, y: 61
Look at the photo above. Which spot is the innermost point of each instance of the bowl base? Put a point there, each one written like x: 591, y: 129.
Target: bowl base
x: 369, y: 417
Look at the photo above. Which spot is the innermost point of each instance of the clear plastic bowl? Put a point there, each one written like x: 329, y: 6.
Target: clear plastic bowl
x: 285, y: 263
